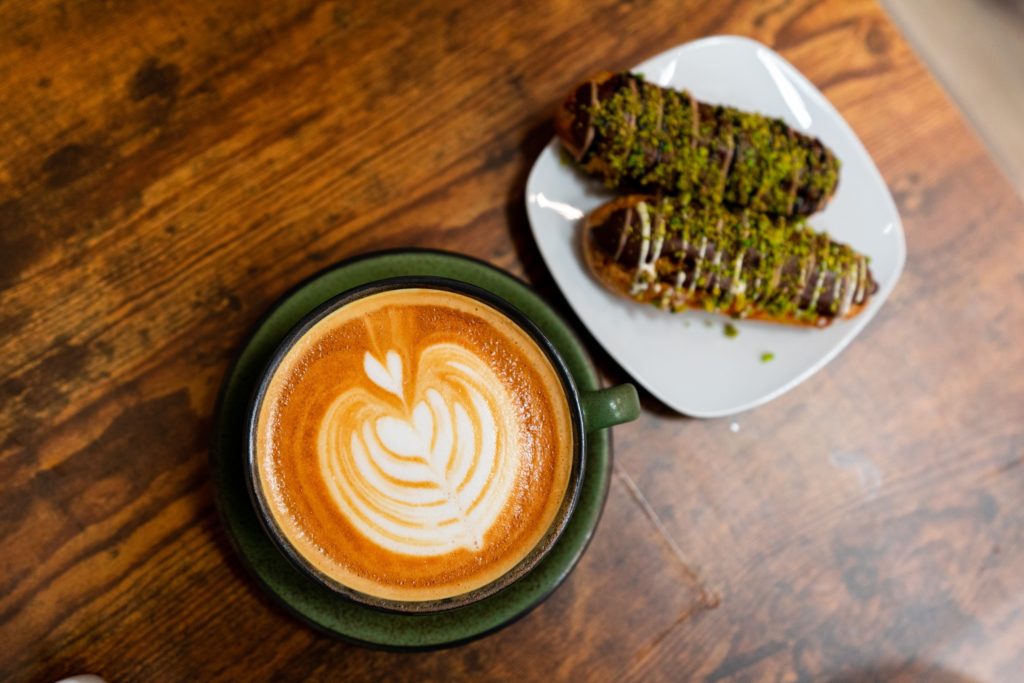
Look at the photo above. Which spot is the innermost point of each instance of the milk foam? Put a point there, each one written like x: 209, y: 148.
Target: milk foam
x: 431, y: 472
x: 414, y: 445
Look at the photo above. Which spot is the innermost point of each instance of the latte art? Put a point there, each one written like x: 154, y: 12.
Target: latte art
x: 432, y: 474
x: 414, y: 445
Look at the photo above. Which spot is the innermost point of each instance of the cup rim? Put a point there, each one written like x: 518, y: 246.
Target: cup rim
x: 573, y: 486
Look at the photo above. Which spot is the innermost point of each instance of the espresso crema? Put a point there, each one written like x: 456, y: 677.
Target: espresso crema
x: 415, y: 444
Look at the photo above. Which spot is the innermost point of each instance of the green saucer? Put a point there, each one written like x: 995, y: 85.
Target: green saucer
x: 318, y: 605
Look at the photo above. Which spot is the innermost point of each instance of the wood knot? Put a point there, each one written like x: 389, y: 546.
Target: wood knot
x: 155, y: 79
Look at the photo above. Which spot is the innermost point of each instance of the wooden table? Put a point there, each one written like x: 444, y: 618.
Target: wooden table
x: 168, y: 169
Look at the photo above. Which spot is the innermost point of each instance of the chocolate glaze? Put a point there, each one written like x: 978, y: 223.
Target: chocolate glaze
x: 724, y: 141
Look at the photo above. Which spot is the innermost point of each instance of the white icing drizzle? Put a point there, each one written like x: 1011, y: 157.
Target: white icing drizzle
x: 717, y: 261
x: 675, y: 295
x: 738, y: 286
x: 817, y: 291
x: 681, y: 274
x: 849, y: 285
x: 806, y: 269
x: 838, y: 282
x: 645, y: 272
x: 645, y: 245
x: 700, y: 262
x: 862, y: 272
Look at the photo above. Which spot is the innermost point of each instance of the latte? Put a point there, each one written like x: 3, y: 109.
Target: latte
x: 414, y: 445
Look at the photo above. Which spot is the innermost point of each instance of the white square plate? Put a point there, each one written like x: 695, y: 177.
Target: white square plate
x: 685, y: 359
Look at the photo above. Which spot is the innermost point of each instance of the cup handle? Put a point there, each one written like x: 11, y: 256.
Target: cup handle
x: 608, y: 407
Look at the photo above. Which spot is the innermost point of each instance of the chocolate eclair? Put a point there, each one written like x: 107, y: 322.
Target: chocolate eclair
x: 679, y: 255
x: 640, y: 137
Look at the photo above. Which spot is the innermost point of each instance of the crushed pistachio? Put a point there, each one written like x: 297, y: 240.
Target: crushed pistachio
x: 742, y: 261
x: 730, y: 330
x: 661, y: 139
x: 767, y: 357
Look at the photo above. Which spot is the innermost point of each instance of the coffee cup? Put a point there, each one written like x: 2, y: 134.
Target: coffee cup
x: 416, y: 444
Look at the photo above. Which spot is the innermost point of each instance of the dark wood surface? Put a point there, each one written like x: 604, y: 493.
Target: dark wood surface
x: 167, y: 169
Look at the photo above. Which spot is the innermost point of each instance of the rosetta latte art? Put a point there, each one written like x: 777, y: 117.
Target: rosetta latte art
x: 414, y: 445
x: 430, y: 472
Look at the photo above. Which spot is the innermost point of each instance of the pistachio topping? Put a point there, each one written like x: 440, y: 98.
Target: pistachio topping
x: 733, y: 262
x: 658, y: 139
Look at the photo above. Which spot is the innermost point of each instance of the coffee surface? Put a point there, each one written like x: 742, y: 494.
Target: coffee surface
x: 414, y: 445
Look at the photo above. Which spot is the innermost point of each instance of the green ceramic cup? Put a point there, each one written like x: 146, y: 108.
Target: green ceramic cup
x: 591, y: 410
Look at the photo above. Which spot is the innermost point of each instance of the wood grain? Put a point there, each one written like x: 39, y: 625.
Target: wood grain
x: 168, y: 169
